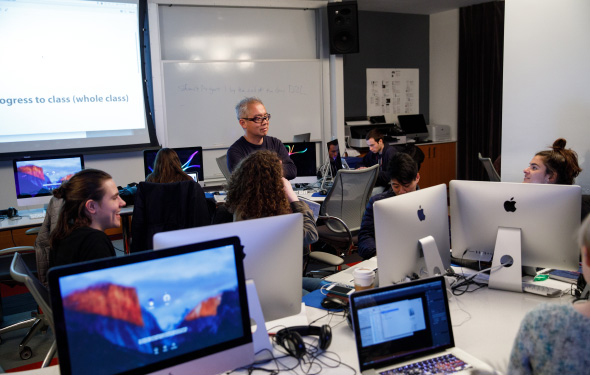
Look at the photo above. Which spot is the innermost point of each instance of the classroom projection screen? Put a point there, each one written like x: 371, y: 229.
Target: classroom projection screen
x: 73, y: 76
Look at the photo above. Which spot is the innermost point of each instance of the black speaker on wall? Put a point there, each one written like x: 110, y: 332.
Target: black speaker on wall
x: 343, y: 27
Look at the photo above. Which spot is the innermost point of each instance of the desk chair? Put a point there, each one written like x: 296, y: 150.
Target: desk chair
x: 222, y: 164
x: 26, y: 255
x: 489, y: 167
x: 22, y: 273
x: 347, y: 200
x: 328, y: 259
x: 163, y: 207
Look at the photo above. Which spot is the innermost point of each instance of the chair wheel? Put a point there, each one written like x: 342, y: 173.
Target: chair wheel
x: 26, y: 353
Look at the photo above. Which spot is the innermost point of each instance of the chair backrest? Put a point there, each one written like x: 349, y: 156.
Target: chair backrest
x: 161, y: 207
x: 20, y: 272
x: 349, y: 195
x: 489, y: 167
x: 222, y: 164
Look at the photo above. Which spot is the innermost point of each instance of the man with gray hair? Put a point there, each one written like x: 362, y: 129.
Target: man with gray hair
x: 255, y: 121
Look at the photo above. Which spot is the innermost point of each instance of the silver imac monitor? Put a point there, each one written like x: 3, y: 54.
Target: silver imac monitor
x: 412, y: 235
x: 531, y: 225
x: 179, y: 311
x: 35, y: 178
x: 273, y: 248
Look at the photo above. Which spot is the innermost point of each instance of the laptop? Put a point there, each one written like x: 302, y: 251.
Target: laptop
x: 403, y: 325
x: 182, y: 310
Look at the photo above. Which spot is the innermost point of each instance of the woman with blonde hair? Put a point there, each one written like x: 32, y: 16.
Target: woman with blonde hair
x: 555, y: 338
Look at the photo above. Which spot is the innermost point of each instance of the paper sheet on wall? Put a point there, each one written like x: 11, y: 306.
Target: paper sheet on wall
x: 392, y: 91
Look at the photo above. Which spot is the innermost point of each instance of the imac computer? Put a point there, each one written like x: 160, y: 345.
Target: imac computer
x: 303, y: 155
x: 273, y: 248
x: 521, y: 224
x: 191, y: 160
x: 179, y: 311
x: 35, y: 178
x: 414, y: 126
x: 412, y: 235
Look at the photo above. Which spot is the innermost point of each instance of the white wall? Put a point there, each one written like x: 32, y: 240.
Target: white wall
x: 546, y: 81
x: 444, y: 69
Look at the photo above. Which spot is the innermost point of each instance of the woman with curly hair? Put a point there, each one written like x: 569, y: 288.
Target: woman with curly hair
x: 258, y: 189
x: 167, y: 168
x: 556, y: 166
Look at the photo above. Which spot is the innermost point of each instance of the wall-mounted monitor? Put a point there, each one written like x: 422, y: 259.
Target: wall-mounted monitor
x: 36, y: 178
x: 191, y: 160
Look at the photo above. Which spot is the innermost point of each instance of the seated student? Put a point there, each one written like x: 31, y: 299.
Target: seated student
x: 380, y: 152
x: 91, y: 206
x: 404, y: 179
x: 554, y: 338
x: 556, y: 166
x: 258, y: 189
x: 167, y: 168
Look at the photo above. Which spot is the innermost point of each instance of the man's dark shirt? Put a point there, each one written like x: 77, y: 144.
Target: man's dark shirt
x: 382, y: 159
x: 242, y: 148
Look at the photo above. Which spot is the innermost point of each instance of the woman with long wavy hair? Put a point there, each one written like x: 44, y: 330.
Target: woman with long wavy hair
x: 167, y: 168
x: 258, y: 189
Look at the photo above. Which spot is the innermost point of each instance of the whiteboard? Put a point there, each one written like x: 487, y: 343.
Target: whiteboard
x: 200, y: 99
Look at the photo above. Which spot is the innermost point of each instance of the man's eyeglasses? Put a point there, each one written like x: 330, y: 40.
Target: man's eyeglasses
x: 258, y: 119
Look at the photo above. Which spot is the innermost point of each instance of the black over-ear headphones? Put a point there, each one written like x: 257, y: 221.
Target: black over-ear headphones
x: 291, y: 338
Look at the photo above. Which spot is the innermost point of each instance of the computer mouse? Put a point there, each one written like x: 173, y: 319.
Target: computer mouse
x: 333, y: 303
x: 323, y: 192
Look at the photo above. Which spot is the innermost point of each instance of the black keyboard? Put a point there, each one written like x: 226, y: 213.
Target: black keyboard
x: 446, y: 364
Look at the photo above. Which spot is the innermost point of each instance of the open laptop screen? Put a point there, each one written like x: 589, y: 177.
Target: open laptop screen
x: 153, y: 310
x: 401, y: 322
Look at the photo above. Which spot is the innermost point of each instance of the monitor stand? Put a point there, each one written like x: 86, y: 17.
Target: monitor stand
x: 257, y: 324
x: 507, y: 250
x: 432, y: 259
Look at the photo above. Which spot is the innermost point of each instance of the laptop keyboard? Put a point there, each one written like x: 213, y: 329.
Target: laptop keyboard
x: 446, y: 364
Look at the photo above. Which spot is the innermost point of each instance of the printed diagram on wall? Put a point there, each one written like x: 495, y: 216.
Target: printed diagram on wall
x: 392, y: 91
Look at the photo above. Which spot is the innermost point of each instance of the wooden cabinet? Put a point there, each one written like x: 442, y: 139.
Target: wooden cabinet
x: 440, y: 164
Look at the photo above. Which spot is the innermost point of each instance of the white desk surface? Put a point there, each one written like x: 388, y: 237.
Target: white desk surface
x: 24, y: 221
x: 485, y: 323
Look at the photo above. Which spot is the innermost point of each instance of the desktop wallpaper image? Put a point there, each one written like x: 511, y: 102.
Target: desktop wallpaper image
x: 43, y: 176
x: 127, y: 317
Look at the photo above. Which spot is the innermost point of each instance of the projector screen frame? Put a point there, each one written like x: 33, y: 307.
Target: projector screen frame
x: 148, y: 99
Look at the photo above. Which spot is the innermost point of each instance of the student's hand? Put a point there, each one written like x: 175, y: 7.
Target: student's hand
x: 288, y: 189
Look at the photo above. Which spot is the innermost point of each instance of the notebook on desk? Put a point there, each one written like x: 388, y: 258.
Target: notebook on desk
x: 407, y: 325
x: 180, y: 310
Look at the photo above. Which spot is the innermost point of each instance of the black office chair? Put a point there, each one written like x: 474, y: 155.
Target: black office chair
x: 22, y: 273
x: 347, y: 200
x: 489, y: 167
x: 39, y: 321
x: 164, y: 207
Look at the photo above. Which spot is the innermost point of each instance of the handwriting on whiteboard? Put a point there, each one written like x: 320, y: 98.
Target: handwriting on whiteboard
x: 288, y: 89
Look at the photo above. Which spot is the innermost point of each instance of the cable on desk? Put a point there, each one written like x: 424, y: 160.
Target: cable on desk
x: 469, y: 280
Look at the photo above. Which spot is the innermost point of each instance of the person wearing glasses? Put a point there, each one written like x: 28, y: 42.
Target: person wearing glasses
x: 403, y: 170
x: 255, y: 121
